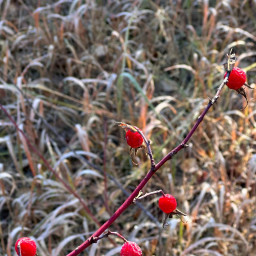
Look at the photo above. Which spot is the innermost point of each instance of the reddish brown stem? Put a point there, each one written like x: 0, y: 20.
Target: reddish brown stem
x: 118, y: 212
x: 135, y: 193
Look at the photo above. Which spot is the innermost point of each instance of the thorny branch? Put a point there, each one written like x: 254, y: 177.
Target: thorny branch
x: 152, y: 171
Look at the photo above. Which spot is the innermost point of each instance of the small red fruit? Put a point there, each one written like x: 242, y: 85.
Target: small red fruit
x: 130, y: 249
x: 237, y: 78
x: 25, y: 247
x: 134, y: 139
x: 167, y: 203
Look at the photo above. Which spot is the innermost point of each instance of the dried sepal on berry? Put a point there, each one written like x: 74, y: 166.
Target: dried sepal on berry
x: 241, y: 91
x: 231, y: 60
x: 186, y: 219
x: 127, y: 126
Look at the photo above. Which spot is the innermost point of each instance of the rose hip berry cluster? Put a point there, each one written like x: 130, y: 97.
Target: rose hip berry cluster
x: 130, y: 249
x: 25, y: 247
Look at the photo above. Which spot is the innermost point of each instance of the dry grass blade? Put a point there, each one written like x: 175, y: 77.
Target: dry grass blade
x: 181, y: 66
x: 70, y: 70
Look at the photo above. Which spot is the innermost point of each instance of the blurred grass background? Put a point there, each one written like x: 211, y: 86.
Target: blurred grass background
x: 69, y: 70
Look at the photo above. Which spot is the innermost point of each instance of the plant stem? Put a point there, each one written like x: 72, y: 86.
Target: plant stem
x: 152, y: 171
x: 150, y: 194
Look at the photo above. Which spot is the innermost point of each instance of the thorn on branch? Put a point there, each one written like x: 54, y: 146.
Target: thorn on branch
x: 106, y: 234
x: 93, y: 240
x: 184, y: 145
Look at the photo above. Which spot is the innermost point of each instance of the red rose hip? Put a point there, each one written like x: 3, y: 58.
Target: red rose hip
x: 167, y: 203
x: 130, y: 249
x: 134, y: 139
x: 237, y: 78
x: 25, y: 247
